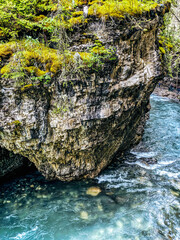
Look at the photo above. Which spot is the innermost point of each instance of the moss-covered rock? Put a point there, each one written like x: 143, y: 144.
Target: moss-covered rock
x: 78, y: 108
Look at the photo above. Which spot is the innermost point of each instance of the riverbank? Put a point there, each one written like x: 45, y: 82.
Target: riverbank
x: 163, y: 91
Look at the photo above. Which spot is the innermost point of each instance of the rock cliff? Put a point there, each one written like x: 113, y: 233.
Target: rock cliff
x: 169, y: 86
x: 72, y: 129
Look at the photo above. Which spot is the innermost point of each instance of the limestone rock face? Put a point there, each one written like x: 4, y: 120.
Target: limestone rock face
x: 72, y: 130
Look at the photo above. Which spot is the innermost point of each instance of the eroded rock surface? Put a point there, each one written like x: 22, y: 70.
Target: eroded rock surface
x: 72, y: 129
x: 13, y: 165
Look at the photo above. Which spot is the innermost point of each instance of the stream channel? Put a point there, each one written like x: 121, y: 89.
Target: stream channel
x: 139, y: 198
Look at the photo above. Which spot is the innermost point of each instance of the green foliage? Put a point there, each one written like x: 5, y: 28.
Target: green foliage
x: 45, y: 78
x: 60, y: 109
x: 18, y: 16
x: 170, y: 43
x: 36, y: 17
x: 96, y: 57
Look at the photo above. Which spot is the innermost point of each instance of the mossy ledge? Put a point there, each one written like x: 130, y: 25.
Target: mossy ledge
x: 70, y: 112
x: 20, y: 18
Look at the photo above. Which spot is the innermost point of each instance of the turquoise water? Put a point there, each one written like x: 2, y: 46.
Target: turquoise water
x: 139, y: 198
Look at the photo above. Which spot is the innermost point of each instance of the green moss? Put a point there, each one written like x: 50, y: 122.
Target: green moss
x: 118, y: 9
x: 5, y: 51
x: 38, y: 18
x: 169, y: 45
x: 31, y: 57
x: 26, y: 87
x: 100, y: 50
x: 15, y: 127
x: 6, y: 69
x: 162, y: 50
x: 75, y: 21
x: 77, y: 14
x: 24, y: 17
x: 35, y: 59
x: 86, y: 57
x: 16, y: 123
x: 32, y: 60
x: 35, y: 71
x: 97, y: 56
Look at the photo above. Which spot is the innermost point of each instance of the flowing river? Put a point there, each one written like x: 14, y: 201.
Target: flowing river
x: 139, y: 198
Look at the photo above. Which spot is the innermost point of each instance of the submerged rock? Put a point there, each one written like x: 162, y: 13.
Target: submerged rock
x: 120, y: 200
x: 93, y: 191
x: 100, y: 114
x: 84, y: 215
